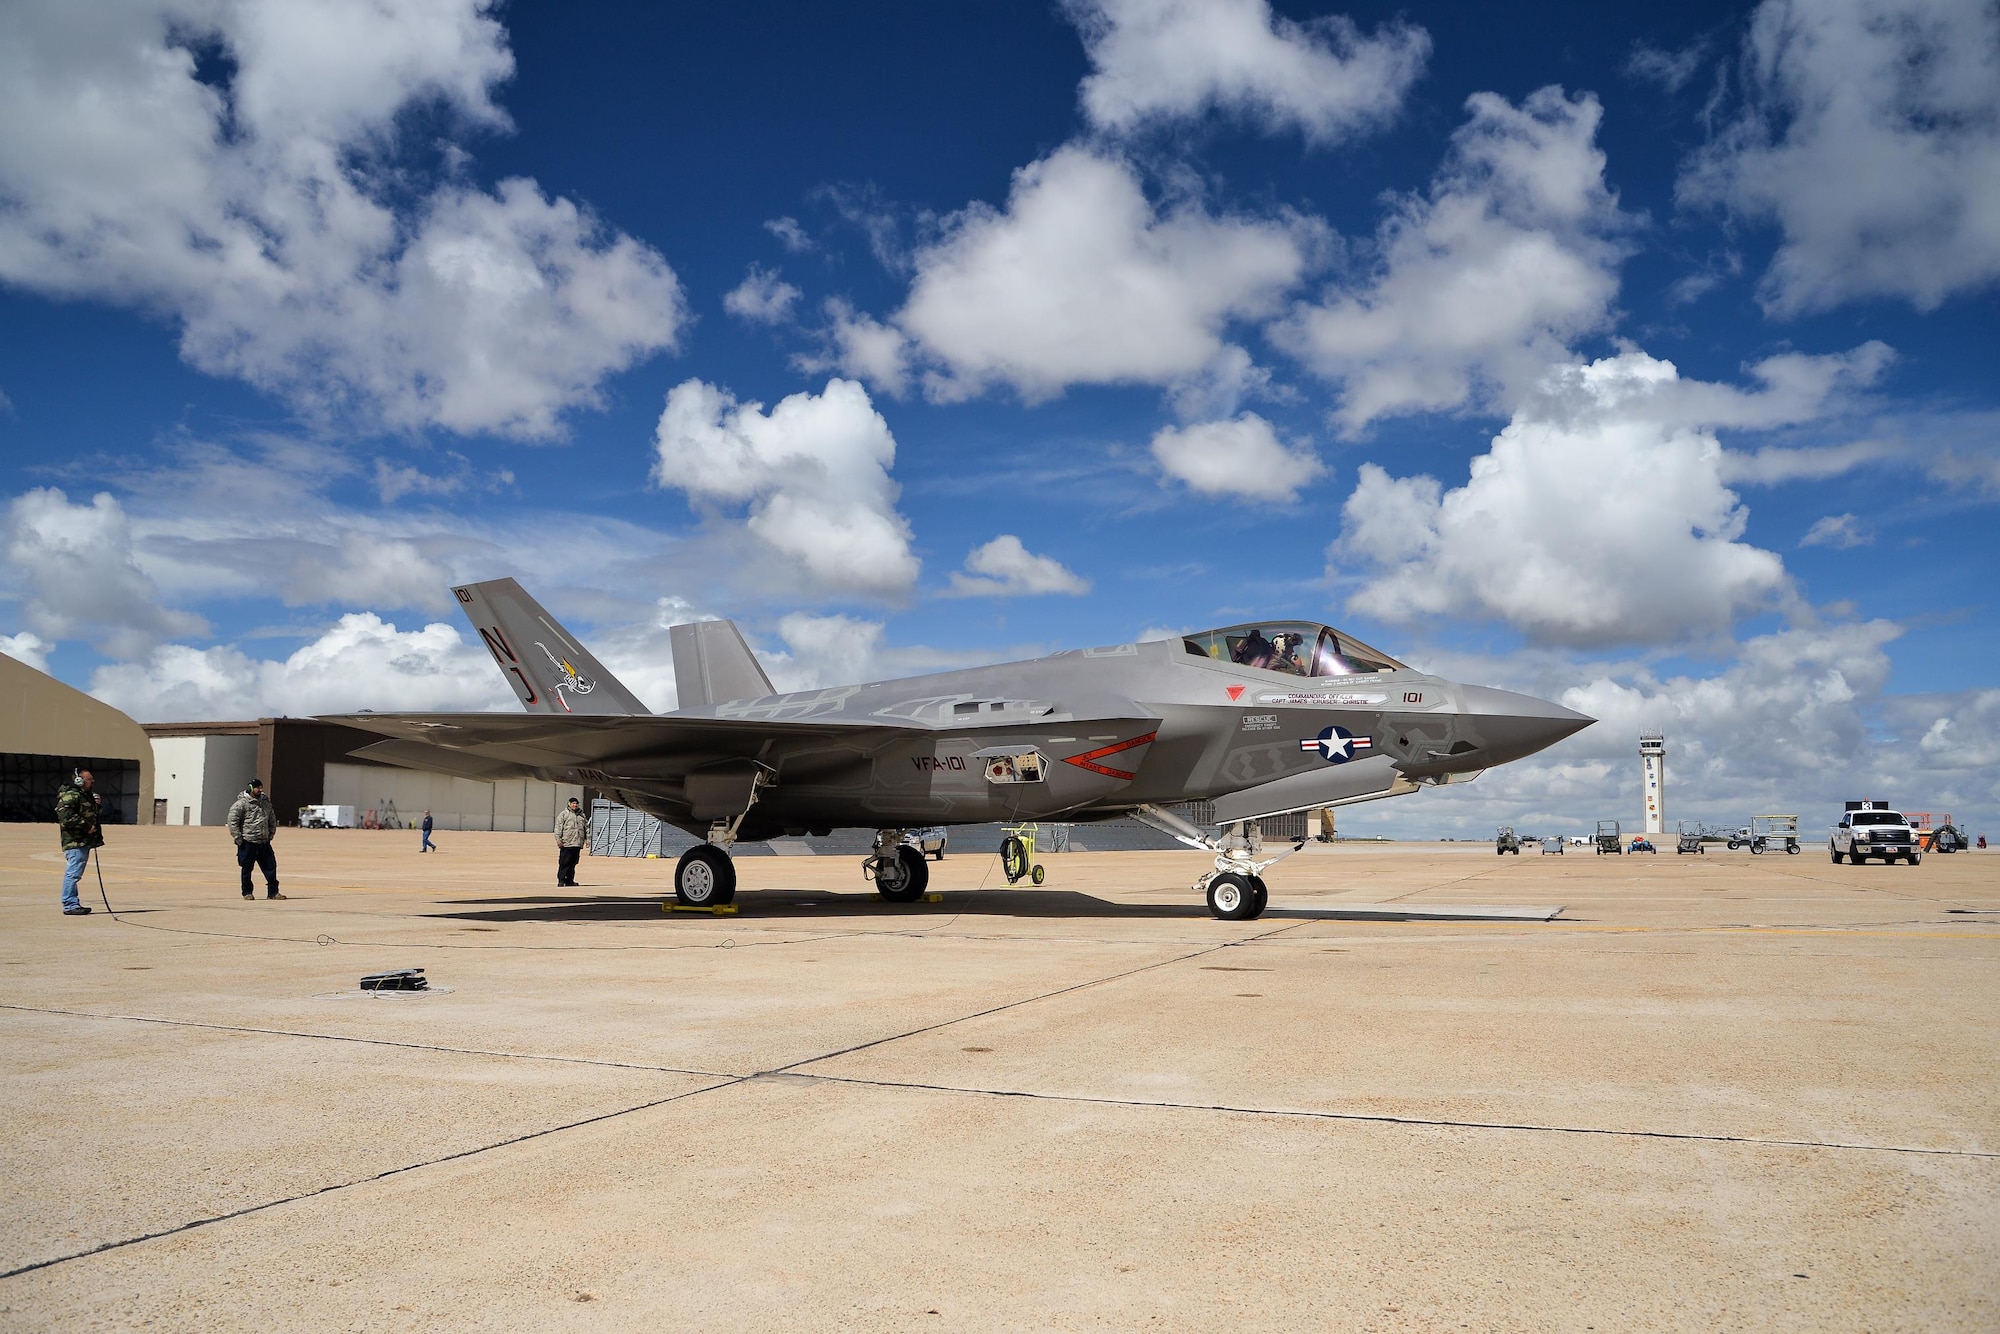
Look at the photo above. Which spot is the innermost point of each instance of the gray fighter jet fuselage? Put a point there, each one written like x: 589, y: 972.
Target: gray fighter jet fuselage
x: 1260, y: 719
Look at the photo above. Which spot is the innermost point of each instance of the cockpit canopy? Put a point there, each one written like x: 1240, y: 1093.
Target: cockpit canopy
x: 1299, y: 648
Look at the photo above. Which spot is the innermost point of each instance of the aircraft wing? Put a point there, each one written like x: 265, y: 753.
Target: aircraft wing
x: 491, y: 745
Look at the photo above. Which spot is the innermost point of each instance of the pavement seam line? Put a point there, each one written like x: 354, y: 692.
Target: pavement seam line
x: 362, y: 1181
x: 370, y: 1042
x: 1030, y: 1000
x: 1384, y: 1118
x: 724, y: 1082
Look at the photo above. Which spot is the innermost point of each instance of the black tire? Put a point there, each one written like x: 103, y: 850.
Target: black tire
x: 705, y: 877
x: 1013, y: 859
x: 1037, y: 875
x: 914, y: 877
x: 1791, y: 849
x: 1263, y: 893
x: 1915, y: 859
x: 1231, y: 898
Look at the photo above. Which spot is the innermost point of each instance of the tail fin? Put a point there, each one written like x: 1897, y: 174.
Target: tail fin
x: 548, y: 668
x: 712, y: 665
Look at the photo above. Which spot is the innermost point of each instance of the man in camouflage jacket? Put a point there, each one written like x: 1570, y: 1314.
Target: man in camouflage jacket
x: 572, y: 832
x: 79, y: 814
x: 252, y: 822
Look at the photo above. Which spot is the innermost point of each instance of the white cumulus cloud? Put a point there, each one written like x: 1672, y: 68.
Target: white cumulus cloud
x: 1005, y: 568
x: 74, y: 568
x: 1081, y: 280
x: 238, y: 167
x: 1166, y: 59
x: 1599, y: 516
x: 1483, y: 282
x: 762, y: 297
x: 813, y: 473
x: 1239, y: 457
x: 360, y: 662
x: 27, y: 647
x: 1870, y: 134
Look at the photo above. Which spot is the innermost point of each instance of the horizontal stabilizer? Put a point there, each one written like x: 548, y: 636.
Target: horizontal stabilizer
x: 550, y: 671
x: 712, y: 665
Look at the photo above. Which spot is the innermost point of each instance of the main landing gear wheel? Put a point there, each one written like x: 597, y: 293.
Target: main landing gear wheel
x: 1233, y: 897
x: 705, y: 877
x: 1263, y: 893
x: 902, y: 876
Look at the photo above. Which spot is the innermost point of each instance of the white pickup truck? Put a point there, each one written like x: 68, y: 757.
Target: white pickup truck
x: 1867, y: 830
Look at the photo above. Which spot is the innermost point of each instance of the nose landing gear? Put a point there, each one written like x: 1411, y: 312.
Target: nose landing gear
x: 1235, y: 889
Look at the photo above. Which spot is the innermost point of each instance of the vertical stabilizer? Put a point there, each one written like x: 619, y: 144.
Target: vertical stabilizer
x: 713, y: 665
x: 550, y: 671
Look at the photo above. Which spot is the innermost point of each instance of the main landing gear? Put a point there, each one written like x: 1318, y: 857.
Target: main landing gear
x: 706, y: 874
x: 705, y: 877
x: 899, y: 871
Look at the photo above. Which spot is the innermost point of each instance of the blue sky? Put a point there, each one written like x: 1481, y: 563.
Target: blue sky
x: 1639, y: 360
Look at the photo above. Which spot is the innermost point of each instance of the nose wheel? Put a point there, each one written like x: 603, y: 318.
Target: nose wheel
x: 1235, y: 897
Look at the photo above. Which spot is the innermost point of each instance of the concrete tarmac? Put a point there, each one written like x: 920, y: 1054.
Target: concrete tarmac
x: 1715, y: 1092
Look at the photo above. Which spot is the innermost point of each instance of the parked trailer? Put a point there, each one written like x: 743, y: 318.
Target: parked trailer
x: 327, y: 817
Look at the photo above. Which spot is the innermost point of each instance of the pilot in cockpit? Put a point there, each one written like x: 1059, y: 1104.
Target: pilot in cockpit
x: 1285, y: 654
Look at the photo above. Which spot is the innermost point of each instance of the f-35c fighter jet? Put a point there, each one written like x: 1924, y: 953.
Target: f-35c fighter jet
x: 1260, y: 720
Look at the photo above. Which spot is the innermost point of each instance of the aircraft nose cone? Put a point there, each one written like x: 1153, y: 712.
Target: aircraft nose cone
x: 1510, y: 726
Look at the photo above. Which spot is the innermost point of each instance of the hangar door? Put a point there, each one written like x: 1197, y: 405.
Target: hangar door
x: 29, y: 783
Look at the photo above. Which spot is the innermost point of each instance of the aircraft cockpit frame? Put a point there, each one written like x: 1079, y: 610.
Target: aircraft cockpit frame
x: 1296, y: 648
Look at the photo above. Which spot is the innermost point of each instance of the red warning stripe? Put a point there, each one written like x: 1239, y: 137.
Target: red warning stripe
x: 1088, y: 759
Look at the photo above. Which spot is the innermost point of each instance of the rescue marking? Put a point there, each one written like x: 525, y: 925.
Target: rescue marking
x: 1235, y: 693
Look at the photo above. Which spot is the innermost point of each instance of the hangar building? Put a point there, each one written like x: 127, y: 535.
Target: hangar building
x: 305, y: 762
x: 49, y: 730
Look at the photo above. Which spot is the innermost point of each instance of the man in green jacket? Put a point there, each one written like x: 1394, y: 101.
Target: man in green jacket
x: 252, y: 822
x: 79, y: 815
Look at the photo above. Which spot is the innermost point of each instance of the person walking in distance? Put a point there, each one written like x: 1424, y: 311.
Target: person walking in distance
x: 252, y: 822
x: 428, y: 845
x: 79, y: 816
x: 572, y: 832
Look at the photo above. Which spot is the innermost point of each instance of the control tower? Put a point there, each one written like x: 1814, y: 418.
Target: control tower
x: 1653, y: 760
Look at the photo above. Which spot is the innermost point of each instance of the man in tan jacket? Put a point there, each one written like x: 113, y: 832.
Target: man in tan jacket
x: 252, y: 822
x: 572, y: 832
